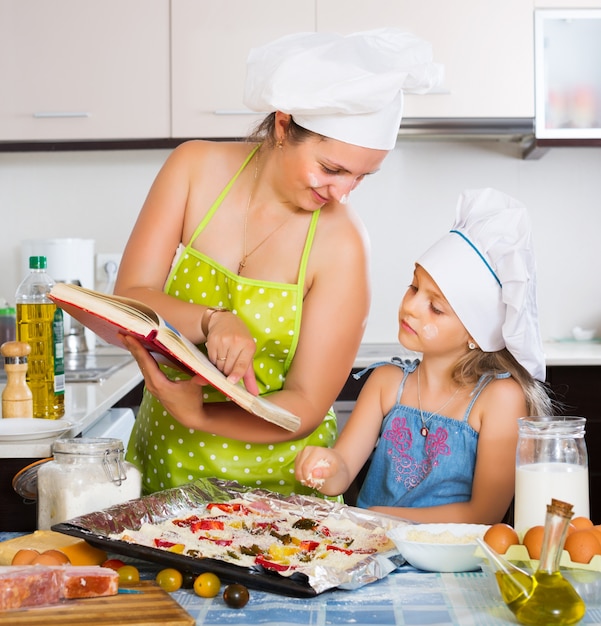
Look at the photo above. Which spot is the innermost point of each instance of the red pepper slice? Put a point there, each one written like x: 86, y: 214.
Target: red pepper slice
x: 161, y: 543
x: 338, y: 549
x: 207, y: 524
x: 219, y: 542
x: 227, y: 507
x: 184, y: 523
x: 261, y: 560
x: 308, y: 546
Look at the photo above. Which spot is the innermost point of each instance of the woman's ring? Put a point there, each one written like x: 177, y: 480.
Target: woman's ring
x: 221, y: 358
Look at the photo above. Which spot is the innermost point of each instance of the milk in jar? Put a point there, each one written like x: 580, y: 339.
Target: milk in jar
x: 551, y: 462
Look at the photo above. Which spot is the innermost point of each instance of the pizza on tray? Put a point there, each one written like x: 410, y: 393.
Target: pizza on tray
x: 256, y: 533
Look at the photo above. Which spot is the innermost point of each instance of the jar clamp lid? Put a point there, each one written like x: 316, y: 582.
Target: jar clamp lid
x: 107, y: 451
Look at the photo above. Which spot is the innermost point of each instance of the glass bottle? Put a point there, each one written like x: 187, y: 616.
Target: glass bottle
x: 551, y: 462
x: 85, y: 475
x: 40, y: 324
x: 553, y: 599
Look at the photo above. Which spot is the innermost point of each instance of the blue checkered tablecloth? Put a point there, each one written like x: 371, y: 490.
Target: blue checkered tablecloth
x: 407, y: 597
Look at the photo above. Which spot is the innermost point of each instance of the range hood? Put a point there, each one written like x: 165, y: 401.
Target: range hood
x: 518, y: 130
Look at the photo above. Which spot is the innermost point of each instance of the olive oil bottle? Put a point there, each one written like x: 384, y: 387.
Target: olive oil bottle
x: 544, y: 597
x: 40, y: 324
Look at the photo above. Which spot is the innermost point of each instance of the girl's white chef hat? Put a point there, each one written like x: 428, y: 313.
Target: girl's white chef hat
x: 486, y: 269
x: 348, y: 88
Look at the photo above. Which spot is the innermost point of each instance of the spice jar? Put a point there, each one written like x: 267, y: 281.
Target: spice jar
x: 85, y: 475
x: 551, y: 463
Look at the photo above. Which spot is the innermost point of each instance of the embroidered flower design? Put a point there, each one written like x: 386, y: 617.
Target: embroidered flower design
x: 407, y: 470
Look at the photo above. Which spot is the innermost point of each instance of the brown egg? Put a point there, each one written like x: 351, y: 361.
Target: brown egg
x: 582, y: 522
x: 25, y: 557
x: 51, y: 557
x: 597, y: 529
x: 533, y: 540
x: 500, y: 537
x: 582, y: 545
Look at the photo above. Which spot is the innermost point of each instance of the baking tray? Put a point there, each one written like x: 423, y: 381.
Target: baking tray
x: 97, y: 527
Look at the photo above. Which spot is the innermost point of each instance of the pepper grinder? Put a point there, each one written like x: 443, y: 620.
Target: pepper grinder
x: 17, y: 400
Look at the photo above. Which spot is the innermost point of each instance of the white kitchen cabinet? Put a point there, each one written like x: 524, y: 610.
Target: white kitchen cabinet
x: 566, y: 4
x: 84, y: 70
x: 210, y: 44
x: 486, y: 47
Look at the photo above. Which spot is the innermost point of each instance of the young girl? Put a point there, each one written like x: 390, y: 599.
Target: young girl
x: 446, y: 427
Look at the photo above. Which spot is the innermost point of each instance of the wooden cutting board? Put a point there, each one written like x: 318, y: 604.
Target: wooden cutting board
x: 152, y: 606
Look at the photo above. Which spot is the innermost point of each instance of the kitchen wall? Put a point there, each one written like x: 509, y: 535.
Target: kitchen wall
x: 406, y: 207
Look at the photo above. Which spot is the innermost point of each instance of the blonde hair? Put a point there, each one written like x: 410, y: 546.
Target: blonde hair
x: 475, y: 363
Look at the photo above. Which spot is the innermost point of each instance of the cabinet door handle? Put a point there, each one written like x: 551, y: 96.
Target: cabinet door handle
x: 52, y: 114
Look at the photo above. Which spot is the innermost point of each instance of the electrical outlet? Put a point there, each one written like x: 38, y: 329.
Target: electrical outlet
x: 107, y: 265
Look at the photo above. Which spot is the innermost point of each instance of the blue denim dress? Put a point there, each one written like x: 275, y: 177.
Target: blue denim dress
x: 410, y: 470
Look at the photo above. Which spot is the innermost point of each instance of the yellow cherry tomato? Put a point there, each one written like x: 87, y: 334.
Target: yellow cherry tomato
x: 169, y: 579
x: 207, y: 585
x: 128, y: 574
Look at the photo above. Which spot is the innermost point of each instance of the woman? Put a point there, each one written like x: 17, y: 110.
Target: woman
x: 262, y: 229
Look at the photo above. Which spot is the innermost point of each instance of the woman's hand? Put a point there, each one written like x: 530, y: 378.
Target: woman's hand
x: 322, y: 469
x: 182, y: 399
x: 231, y: 347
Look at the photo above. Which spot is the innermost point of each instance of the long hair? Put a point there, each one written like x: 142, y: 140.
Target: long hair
x: 264, y: 132
x: 476, y: 363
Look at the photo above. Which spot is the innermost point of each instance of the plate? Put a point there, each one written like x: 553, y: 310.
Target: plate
x: 28, y: 428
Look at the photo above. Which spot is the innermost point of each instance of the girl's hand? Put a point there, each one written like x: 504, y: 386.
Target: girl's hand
x: 182, y: 399
x: 320, y: 468
x: 231, y: 347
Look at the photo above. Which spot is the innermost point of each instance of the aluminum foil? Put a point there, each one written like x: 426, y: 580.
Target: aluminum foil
x: 97, y: 528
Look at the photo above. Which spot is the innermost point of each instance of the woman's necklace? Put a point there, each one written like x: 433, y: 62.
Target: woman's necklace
x: 246, y: 254
x: 424, y: 429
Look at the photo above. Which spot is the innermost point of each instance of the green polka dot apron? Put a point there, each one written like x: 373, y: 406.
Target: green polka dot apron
x: 167, y: 453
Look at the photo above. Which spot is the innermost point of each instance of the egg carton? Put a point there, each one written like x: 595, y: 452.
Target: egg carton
x: 520, y: 554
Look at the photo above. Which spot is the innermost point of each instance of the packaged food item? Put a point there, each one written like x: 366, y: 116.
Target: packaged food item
x: 40, y: 324
x: 33, y: 585
x: 40, y: 585
x: 88, y: 582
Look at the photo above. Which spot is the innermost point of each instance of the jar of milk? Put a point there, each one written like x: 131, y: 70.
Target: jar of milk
x: 551, y: 462
x: 85, y: 475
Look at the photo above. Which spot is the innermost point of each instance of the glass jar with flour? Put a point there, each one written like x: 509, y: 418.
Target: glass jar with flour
x: 85, y: 475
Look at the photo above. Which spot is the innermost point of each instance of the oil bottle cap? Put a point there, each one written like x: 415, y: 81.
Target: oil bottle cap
x: 37, y: 262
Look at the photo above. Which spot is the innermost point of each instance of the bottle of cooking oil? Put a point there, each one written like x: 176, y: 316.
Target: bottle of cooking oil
x: 40, y: 324
x: 544, y: 597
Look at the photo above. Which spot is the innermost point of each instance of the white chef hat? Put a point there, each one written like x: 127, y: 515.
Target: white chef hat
x: 486, y: 269
x: 348, y: 88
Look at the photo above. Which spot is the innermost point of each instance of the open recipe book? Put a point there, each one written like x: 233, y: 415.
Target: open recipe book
x: 109, y: 316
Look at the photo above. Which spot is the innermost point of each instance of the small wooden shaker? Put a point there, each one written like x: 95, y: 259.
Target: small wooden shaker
x: 17, y: 400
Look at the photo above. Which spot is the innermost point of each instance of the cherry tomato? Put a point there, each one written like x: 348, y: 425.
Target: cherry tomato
x: 236, y: 596
x: 188, y: 579
x: 169, y: 579
x: 207, y: 585
x: 128, y: 574
x: 113, y: 564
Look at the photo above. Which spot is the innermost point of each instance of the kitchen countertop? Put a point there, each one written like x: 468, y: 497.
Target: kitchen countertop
x: 406, y: 596
x: 85, y: 404
x: 568, y: 352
